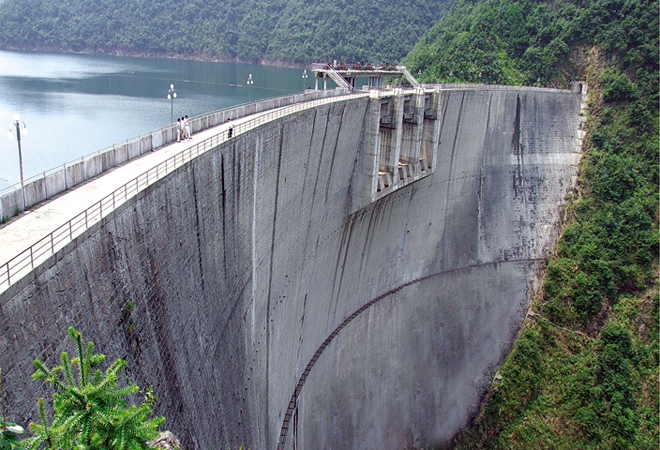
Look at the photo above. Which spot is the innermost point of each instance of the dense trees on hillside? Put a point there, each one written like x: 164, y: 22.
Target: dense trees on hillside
x: 532, y: 42
x: 584, y: 373
x: 247, y: 30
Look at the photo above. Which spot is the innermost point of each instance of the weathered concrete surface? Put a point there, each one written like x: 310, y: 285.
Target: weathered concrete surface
x: 221, y: 282
x: 57, y: 180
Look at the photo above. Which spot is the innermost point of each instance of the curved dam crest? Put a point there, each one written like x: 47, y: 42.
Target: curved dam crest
x: 220, y: 283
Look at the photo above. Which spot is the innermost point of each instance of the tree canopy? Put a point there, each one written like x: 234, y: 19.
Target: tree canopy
x: 532, y: 42
x: 288, y: 31
x: 91, y: 410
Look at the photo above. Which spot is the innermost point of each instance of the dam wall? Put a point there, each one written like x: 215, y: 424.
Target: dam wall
x: 272, y: 293
x: 57, y: 180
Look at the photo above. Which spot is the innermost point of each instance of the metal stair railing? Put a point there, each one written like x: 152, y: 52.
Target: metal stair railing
x: 409, y: 76
x: 337, y: 78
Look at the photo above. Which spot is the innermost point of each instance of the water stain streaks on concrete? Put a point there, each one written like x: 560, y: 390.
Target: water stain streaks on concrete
x: 319, y: 281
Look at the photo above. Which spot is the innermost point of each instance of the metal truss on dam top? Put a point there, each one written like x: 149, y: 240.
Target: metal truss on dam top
x: 346, y: 75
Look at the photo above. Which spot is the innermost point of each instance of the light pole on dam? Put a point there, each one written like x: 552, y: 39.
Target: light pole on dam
x: 171, y: 95
x: 17, y: 125
x: 249, y: 83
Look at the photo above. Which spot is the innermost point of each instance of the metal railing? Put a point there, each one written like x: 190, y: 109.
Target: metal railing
x: 87, y: 156
x: 337, y: 78
x: 409, y: 76
x: 29, y: 259
x: 48, y: 183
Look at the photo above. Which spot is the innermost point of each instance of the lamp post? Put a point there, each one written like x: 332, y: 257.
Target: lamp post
x: 304, y: 77
x: 171, y: 95
x: 17, y: 124
x: 249, y: 82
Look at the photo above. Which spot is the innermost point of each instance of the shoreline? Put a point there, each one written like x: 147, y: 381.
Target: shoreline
x: 160, y: 55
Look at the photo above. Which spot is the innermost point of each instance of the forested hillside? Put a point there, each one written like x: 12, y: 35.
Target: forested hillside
x: 287, y: 31
x: 534, y: 42
x: 584, y: 372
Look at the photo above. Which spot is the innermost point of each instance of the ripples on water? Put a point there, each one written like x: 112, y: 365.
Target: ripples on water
x: 76, y: 104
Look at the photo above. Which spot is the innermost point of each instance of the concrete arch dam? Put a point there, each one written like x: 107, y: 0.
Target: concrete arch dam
x: 347, y: 276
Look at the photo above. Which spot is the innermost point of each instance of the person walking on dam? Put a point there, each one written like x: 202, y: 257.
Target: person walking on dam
x: 231, y: 129
x: 188, y: 126
x: 182, y: 128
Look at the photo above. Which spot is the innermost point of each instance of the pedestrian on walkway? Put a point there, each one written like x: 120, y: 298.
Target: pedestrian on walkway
x: 182, y: 128
x: 179, y: 128
x: 188, y: 126
x: 231, y: 128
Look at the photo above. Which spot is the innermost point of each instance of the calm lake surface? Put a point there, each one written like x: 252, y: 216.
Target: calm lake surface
x: 74, y: 105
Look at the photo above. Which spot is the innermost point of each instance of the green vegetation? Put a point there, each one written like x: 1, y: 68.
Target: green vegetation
x: 538, y: 43
x: 91, y: 411
x: 8, y: 431
x: 251, y: 30
x: 584, y: 372
x: 9, y: 435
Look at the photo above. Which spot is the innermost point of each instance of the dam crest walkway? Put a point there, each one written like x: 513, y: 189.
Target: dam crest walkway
x: 31, y: 238
x: 37, y: 234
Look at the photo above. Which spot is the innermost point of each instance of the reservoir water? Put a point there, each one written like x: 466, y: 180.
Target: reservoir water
x: 74, y: 105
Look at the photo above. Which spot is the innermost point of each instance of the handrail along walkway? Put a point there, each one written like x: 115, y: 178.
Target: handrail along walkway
x: 54, y: 181
x: 26, y: 261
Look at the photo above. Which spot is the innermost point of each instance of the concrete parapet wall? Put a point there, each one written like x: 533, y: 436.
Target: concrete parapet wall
x: 55, y: 182
x: 110, y: 158
x: 220, y: 283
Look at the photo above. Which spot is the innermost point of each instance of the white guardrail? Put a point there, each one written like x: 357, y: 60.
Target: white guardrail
x: 26, y: 261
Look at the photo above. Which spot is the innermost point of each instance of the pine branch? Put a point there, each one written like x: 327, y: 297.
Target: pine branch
x: 42, y: 373
x: 66, y: 365
x: 77, y: 337
x: 42, y: 414
x: 93, y: 415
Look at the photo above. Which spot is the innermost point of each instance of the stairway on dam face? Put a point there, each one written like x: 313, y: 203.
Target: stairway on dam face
x: 241, y: 263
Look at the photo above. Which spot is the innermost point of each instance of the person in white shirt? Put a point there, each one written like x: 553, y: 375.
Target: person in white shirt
x: 188, y: 127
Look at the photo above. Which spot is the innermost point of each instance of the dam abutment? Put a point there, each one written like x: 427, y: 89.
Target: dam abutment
x: 221, y: 282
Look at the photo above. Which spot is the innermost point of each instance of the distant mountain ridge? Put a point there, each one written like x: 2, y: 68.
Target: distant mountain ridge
x: 283, y: 31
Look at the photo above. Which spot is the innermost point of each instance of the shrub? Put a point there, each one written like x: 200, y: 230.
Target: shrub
x: 9, y: 435
x: 91, y: 411
x: 8, y: 431
x: 615, y: 380
x: 618, y: 88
